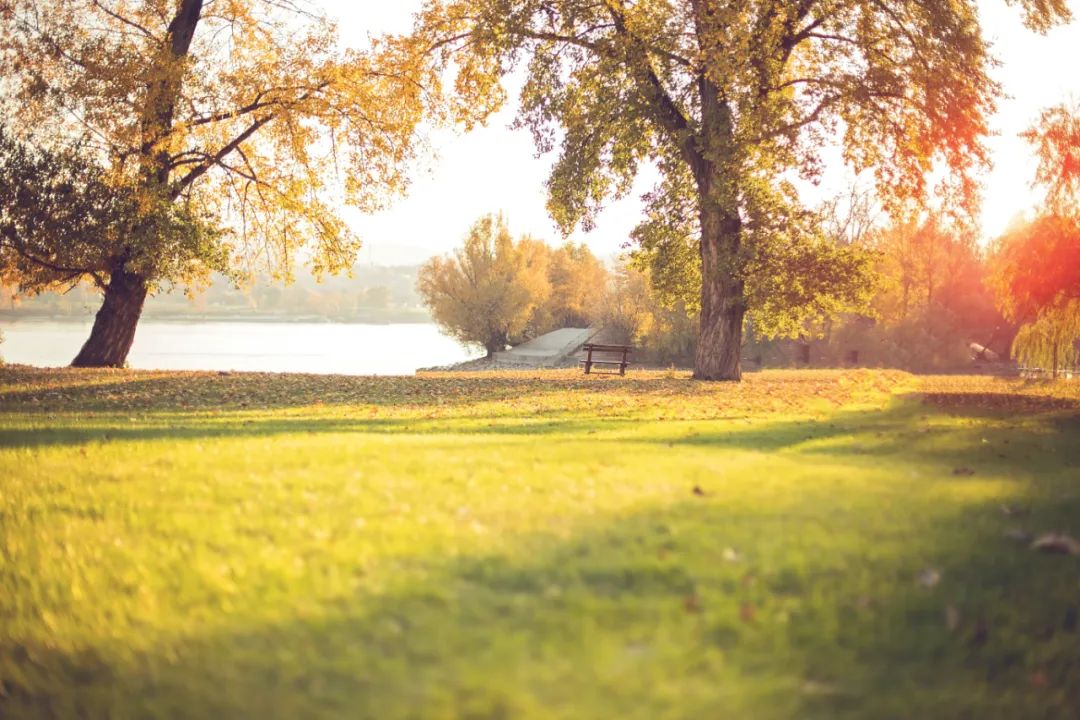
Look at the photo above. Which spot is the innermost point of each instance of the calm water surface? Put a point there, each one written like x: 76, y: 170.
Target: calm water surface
x: 350, y: 349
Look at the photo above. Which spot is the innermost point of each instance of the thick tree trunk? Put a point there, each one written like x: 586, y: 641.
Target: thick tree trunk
x: 114, y: 327
x: 723, y: 304
x: 715, y: 169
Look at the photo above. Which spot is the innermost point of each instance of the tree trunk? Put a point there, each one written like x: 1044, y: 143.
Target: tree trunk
x: 723, y: 300
x: 495, y: 345
x: 114, y: 327
x: 723, y: 303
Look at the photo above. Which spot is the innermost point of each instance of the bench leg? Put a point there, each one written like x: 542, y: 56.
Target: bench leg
x: 588, y: 366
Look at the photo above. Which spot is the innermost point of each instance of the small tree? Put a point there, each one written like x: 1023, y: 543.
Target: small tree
x: 487, y: 292
x: 578, y: 280
x: 626, y: 309
x: 632, y: 311
x: 919, y: 260
x: 1037, y: 264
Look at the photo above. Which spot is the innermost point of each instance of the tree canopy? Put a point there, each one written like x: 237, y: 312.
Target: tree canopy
x: 61, y: 221
x: 732, y: 100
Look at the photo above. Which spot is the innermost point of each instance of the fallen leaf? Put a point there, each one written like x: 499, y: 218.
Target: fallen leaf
x: 1039, y: 679
x: 981, y: 634
x: 731, y: 555
x: 1018, y: 534
x: 812, y: 687
x: 963, y: 472
x: 929, y: 577
x: 692, y: 603
x: 1012, y: 510
x: 952, y: 618
x: 747, y: 612
x: 698, y: 491
x: 1056, y: 544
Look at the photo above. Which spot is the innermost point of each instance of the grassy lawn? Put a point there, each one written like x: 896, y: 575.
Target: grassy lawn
x: 803, y: 545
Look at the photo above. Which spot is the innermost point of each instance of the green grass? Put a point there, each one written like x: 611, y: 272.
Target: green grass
x: 532, y: 546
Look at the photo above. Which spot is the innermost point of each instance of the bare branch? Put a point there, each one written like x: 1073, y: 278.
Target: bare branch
x: 126, y: 21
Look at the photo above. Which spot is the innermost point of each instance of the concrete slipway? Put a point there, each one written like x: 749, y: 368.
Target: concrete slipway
x: 547, y: 350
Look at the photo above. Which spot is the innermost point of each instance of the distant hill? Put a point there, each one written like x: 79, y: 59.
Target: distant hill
x: 374, y: 293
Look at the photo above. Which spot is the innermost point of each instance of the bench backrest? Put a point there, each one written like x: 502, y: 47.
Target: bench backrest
x: 594, y: 347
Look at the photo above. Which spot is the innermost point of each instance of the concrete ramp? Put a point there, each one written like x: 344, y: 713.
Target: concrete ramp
x: 547, y: 350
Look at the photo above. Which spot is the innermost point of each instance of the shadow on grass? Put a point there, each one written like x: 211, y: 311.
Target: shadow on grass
x: 906, y: 427
x: 648, y: 616
x: 982, y: 403
x: 637, y: 619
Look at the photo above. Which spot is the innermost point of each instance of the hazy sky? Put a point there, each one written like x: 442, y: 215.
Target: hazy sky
x: 495, y: 168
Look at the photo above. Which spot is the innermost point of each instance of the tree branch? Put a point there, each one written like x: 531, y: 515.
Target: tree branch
x: 126, y: 21
x: 197, y: 172
x: 669, y: 115
x: 19, y: 247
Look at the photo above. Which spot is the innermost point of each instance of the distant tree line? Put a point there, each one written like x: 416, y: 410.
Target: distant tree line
x: 926, y: 300
x: 370, y: 294
x: 929, y: 297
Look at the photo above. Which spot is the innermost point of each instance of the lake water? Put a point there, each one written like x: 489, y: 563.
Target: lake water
x: 350, y: 349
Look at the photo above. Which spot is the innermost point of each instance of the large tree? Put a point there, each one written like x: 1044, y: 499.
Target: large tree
x: 245, y: 111
x: 731, y: 100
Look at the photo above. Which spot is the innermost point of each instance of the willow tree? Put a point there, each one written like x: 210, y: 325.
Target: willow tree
x: 1035, y: 266
x: 1050, y: 341
x: 731, y: 100
x: 244, y: 112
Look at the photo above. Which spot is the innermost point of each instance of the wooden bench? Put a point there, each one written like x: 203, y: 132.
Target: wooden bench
x: 605, y: 357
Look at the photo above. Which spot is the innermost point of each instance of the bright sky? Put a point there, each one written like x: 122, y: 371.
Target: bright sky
x: 495, y: 168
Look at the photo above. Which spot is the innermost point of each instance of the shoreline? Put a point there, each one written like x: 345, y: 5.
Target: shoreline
x: 86, y: 320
